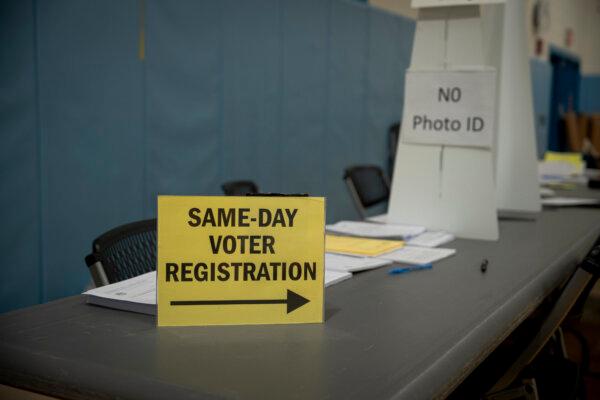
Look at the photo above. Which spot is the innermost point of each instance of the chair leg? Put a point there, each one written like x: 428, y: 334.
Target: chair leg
x: 356, y: 199
x: 96, y: 270
x: 527, y: 390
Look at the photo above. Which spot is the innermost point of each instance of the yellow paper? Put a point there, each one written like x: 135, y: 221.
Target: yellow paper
x: 575, y: 159
x: 240, y: 260
x: 360, y: 246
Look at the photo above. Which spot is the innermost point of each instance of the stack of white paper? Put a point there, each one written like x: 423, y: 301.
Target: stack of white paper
x: 136, y: 294
x: 139, y: 294
x: 546, y: 192
x: 367, y: 229
x: 379, y: 218
x: 431, y: 239
x: 332, y: 277
x: 569, y: 202
x: 340, y: 262
x: 552, y: 172
x: 418, y: 255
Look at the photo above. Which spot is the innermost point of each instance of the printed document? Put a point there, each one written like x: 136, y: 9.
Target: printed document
x: 418, y: 255
x: 138, y: 294
x: 340, y: 262
x: 368, y: 229
x: 332, y: 277
x: 569, y: 202
x: 431, y: 239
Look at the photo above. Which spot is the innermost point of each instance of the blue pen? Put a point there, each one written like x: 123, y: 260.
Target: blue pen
x: 403, y: 270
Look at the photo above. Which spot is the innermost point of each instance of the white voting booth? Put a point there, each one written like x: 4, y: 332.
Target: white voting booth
x: 517, y: 182
x: 446, y: 162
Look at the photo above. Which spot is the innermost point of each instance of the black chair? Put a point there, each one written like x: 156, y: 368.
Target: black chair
x: 123, y: 252
x: 569, y: 301
x: 393, y: 138
x: 239, y: 188
x: 368, y: 187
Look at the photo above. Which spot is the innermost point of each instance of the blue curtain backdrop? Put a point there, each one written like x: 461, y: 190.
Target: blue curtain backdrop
x: 283, y: 92
x: 541, y: 82
x: 589, y: 94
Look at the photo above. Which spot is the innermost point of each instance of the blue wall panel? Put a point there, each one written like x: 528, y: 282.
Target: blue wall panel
x: 390, y: 48
x: 252, y: 92
x: 541, y: 82
x: 304, y: 95
x: 287, y: 93
x: 589, y: 94
x: 346, y: 134
x: 19, y: 178
x: 183, y: 98
x: 90, y: 119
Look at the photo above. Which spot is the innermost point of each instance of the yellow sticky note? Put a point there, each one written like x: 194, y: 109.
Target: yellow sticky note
x: 575, y: 159
x: 360, y: 246
x: 240, y: 260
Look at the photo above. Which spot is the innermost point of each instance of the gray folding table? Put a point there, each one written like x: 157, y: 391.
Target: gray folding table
x: 411, y: 336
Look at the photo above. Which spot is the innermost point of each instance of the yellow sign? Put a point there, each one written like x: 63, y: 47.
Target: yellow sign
x: 240, y: 260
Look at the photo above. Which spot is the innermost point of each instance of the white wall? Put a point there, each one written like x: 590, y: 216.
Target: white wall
x: 582, y: 16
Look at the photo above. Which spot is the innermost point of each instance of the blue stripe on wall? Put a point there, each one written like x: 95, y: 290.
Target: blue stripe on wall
x: 347, y: 77
x: 304, y: 104
x: 251, y: 91
x: 589, y: 94
x: 90, y: 118
x: 284, y: 92
x: 183, y: 98
x: 541, y: 81
x: 19, y: 172
x: 390, y: 46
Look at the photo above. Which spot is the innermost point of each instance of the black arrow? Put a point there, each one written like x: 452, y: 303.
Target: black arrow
x: 293, y: 301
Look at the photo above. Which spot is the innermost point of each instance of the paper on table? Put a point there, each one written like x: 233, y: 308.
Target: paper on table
x: 431, y: 239
x: 569, y: 201
x: 562, y: 168
x: 332, y: 277
x: 339, y: 262
x: 360, y: 246
x: 136, y: 294
x: 418, y: 255
x: 381, y: 218
x: 368, y: 229
x: 546, y: 192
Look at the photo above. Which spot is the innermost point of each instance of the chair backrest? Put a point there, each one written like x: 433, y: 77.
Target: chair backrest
x: 123, y: 252
x: 393, y: 137
x: 239, y: 188
x: 368, y: 186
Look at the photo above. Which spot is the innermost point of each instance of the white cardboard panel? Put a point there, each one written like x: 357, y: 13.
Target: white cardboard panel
x: 450, y: 189
x: 468, y: 187
x: 416, y: 186
x: 458, y: 205
x: 464, y: 44
x: 516, y: 158
x: 429, y: 34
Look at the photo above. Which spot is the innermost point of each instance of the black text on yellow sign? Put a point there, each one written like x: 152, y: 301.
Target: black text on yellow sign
x: 240, y: 260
